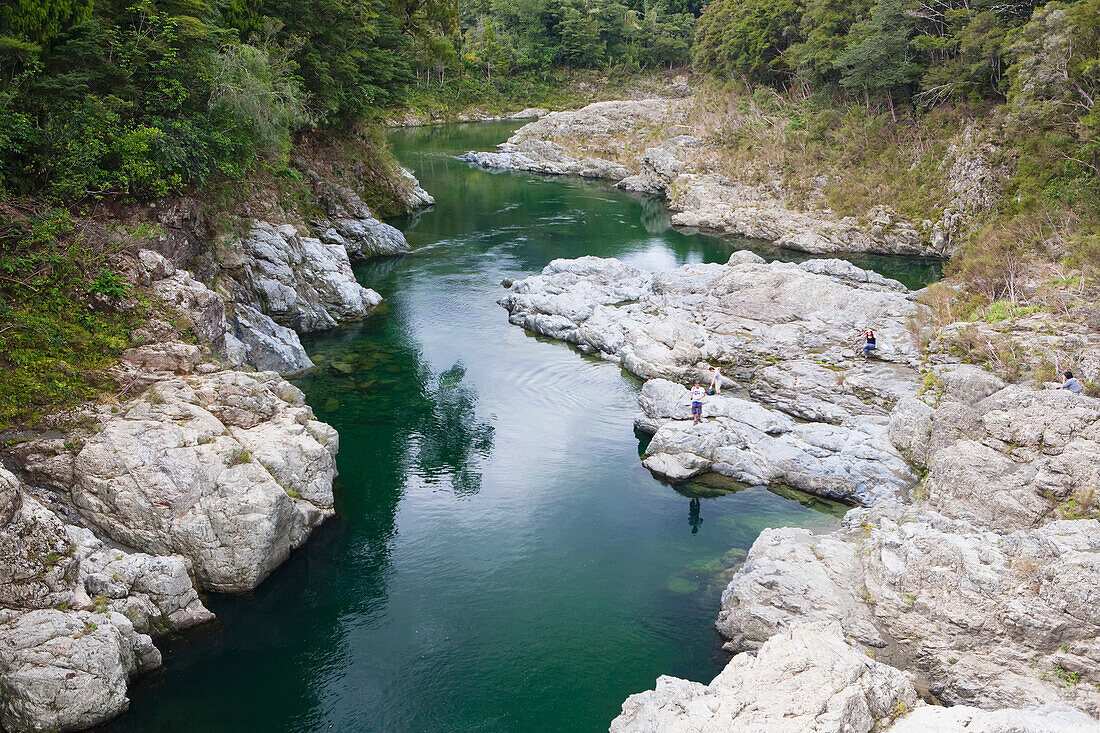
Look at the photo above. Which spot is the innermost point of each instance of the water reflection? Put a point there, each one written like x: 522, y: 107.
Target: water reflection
x: 452, y: 438
x: 694, y: 519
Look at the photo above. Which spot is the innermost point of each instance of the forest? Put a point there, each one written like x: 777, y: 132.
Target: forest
x: 148, y: 98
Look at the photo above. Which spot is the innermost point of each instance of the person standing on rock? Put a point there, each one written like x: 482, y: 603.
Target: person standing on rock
x: 1070, y: 382
x: 715, y: 381
x: 697, y: 395
x: 869, y: 343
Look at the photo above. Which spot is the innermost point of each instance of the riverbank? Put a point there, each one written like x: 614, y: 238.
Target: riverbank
x: 674, y: 148
x: 196, y: 467
x: 970, y: 569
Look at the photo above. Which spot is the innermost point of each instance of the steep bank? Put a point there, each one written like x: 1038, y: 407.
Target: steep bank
x: 198, y: 468
x: 973, y: 568
x: 672, y: 148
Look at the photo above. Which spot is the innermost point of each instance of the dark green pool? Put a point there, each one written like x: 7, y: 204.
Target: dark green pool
x: 501, y: 562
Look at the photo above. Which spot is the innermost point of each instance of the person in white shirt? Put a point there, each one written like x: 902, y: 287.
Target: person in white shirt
x: 697, y: 395
x: 715, y: 381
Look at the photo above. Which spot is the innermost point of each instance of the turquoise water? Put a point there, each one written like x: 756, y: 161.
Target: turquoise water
x: 501, y: 561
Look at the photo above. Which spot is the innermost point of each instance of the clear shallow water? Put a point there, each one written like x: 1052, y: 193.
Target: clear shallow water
x: 501, y: 561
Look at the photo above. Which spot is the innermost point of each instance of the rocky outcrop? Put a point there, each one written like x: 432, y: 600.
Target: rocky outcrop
x: 783, y: 332
x: 229, y: 470
x: 1005, y: 461
x: 986, y: 620
x: 301, y: 282
x: 757, y: 445
x: 808, y: 679
x: 613, y: 140
x: 979, y: 587
x: 76, y: 616
x: 351, y: 225
x: 244, y: 336
x: 589, y: 142
x: 67, y: 670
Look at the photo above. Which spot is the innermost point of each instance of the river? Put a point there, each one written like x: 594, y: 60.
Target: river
x: 501, y: 561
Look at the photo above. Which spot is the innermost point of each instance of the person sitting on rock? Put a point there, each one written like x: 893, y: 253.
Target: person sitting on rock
x: 697, y: 395
x: 715, y: 381
x: 869, y: 344
x: 1070, y: 382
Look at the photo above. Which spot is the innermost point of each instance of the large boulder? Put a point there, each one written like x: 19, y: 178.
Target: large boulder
x: 300, y: 281
x: 67, y: 671
x: 987, y: 620
x: 261, y: 343
x: 229, y: 470
x: 805, y: 679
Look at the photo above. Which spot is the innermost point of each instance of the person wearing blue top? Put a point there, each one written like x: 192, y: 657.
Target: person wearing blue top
x: 1070, y: 382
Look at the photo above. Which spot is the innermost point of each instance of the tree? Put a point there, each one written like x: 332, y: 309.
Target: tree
x: 878, y: 58
x: 580, y: 38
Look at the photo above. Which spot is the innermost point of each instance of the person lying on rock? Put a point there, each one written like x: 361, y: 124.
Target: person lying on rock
x: 869, y: 344
x: 715, y: 381
x: 697, y: 395
x: 1070, y: 382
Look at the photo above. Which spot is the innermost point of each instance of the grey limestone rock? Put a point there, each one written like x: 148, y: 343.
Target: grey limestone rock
x: 805, y: 679
x: 229, y: 470
x: 68, y: 671
x: 300, y: 281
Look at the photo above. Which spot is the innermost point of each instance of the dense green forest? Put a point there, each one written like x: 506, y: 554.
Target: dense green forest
x: 132, y: 100
x: 148, y: 98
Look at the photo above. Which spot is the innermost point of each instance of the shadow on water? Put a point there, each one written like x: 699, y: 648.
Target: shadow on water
x: 501, y: 560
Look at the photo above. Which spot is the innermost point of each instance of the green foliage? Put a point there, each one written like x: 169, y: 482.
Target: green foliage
x: 55, y: 340
x: 747, y: 37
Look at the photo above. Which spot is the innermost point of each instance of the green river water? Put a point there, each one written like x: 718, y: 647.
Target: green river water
x: 501, y: 561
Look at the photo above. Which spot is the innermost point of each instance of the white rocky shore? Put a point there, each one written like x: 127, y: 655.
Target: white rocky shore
x: 652, y: 146
x: 204, y: 479
x: 961, y: 578
x: 810, y: 413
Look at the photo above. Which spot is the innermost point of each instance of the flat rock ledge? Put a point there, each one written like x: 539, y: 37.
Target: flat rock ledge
x: 979, y: 587
x: 614, y: 141
x: 800, y: 407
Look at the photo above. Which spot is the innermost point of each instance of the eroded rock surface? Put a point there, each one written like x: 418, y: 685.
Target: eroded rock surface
x: 783, y: 332
x: 301, y: 282
x: 806, y: 679
x: 229, y: 470
x: 75, y: 616
x: 68, y: 671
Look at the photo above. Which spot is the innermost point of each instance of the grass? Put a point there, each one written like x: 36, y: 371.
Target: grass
x: 238, y: 456
x: 66, y: 312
